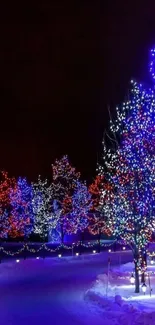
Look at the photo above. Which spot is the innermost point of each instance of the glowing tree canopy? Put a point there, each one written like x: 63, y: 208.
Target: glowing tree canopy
x: 130, y: 167
x: 21, y: 218
x: 97, y: 224
x: 42, y: 201
x: 6, y: 183
x: 77, y: 220
x: 64, y: 183
x: 55, y: 231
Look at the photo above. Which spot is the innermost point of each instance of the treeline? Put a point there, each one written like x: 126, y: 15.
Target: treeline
x: 64, y: 206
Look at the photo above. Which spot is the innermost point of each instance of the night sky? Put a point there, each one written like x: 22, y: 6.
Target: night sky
x: 61, y: 65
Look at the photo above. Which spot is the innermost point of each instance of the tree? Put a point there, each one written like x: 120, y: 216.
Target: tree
x: 77, y: 220
x: 6, y: 184
x: 42, y: 201
x: 64, y: 183
x: 55, y: 231
x: 95, y: 189
x: 21, y: 218
x: 130, y: 167
x: 97, y: 222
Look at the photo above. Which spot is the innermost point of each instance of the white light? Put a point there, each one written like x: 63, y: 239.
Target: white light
x: 17, y: 261
x: 132, y: 279
x: 124, y: 248
x: 77, y: 254
x: 109, y: 250
x: 37, y: 258
x: 94, y: 252
x: 59, y: 255
x: 152, y: 262
x: 144, y: 286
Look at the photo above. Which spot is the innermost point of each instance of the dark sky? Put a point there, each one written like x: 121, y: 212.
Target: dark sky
x: 61, y: 65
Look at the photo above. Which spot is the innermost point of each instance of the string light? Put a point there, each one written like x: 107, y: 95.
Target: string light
x: 26, y: 247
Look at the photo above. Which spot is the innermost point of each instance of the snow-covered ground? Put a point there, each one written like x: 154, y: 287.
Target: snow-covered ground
x: 117, y: 299
x: 52, y: 291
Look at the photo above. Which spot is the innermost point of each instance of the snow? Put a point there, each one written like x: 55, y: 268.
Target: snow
x: 52, y: 291
x: 117, y: 299
x: 73, y: 291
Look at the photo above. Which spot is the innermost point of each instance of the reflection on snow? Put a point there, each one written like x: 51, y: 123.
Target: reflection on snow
x: 141, y: 297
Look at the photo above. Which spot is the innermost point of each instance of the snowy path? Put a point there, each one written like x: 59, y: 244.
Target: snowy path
x: 51, y: 292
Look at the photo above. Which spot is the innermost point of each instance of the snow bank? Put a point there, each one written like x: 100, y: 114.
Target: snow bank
x: 119, y: 311
x: 117, y: 298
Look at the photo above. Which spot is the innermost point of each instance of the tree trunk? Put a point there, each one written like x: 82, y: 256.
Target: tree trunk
x: 143, y: 278
x: 44, y: 241
x: 62, y: 235
x: 0, y: 252
x: 136, y: 274
x: 81, y: 242
x: 82, y: 236
x: 99, y: 242
x: 25, y: 250
x: 144, y: 263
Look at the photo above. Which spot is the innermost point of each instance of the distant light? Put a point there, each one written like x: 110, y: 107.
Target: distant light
x: 59, y: 255
x: 77, y: 254
x: 124, y: 248
x: 132, y: 279
x: 144, y: 287
x: 17, y: 261
x: 94, y: 252
x: 152, y: 261
x: 109, y: 250
x: 37, y: 258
